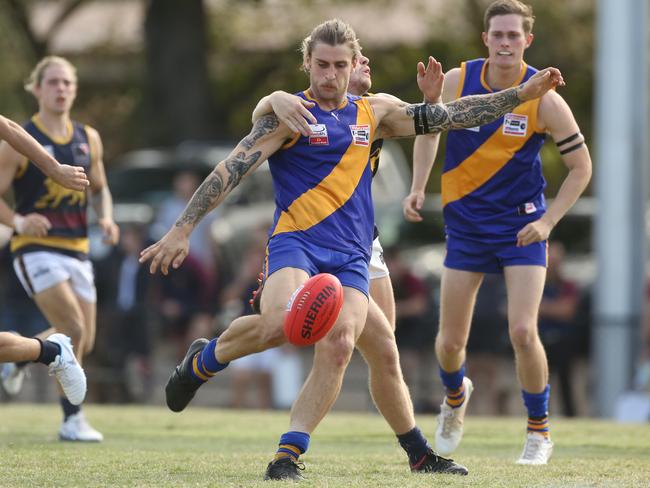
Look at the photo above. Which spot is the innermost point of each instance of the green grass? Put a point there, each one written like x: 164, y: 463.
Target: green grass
x: 149, y: 446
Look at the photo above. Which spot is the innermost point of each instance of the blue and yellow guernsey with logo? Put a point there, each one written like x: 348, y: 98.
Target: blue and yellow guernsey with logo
x: 492, y: 182
x: 323, y: 181
x: 36, y: 193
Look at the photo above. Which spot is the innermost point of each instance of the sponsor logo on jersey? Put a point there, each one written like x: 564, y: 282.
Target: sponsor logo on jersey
x: 529, y: 208
x: 318, y: 136
x: 515, y: 125
x: 360, y: 135
x: 473, y: 129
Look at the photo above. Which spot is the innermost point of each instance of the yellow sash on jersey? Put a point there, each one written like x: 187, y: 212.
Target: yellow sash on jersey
x: 488, y: 159
x: 318, y: 203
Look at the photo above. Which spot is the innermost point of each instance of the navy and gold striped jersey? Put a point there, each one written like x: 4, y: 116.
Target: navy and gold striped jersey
x: 323, y: 181
x: 36, y: 193
x: 492, y: 182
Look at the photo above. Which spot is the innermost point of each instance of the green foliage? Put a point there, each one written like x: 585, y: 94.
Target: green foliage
x: 149, y: 446
x: 112, y: 83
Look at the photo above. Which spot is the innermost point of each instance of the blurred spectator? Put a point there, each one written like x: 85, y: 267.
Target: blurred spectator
x: 124, y: 320
x: 558, y: 328
x: 487, y: 347
x: 186, y: 296
x: 201, y: 243
x: 185, y: 304
x: 415, y: 332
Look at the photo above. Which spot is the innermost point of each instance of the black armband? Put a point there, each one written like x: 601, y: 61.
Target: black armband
x: 569, y: 139
x: 420, y: 121
x: 572, y: 148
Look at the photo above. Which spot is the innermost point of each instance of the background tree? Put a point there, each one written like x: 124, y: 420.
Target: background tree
x: 177, y: 77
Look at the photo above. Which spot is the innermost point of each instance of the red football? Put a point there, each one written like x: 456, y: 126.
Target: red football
x: 313, y: 309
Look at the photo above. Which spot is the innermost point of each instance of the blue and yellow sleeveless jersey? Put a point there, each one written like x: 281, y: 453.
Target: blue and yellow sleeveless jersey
x: 36, y: 193
x: 323, y: 182
x: 492, y: 182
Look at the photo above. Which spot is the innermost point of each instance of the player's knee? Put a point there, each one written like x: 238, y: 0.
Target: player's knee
x: 522, y: 336
x: 450, y: 346
x: 338, y: 347
x: 386, y: 357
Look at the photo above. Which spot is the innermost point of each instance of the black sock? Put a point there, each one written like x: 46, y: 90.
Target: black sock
x: 49, y: 351
x: 68, y: 408
x: 414, y: 443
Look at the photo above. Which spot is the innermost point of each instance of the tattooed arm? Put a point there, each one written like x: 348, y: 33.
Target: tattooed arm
x: 399, y: 119
x: 266, y: 137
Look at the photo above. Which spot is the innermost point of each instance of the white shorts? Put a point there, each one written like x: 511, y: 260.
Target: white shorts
x: 40, y: 270
x: 377, y: 266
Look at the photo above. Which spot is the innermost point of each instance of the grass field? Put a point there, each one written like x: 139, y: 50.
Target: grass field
x: 149, y: 446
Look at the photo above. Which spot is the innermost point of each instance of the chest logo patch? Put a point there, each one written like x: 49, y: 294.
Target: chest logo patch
x: 318, y: 136
x: 515, y: 125
x: 360, y: 135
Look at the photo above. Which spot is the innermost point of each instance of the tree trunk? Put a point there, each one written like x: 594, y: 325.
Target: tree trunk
x: 179, y: 103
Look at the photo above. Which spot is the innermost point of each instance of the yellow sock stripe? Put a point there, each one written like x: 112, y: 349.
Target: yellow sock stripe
x: 291, y: 448
x: 197, y: 371
x: 537, y: 422
x: 455, y: 394
x: 294, y: 452
x: 455, y: 398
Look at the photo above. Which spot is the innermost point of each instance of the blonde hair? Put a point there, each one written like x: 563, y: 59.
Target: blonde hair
x: 37, y: 74
x: 505, y: 7
x: 333, y: 32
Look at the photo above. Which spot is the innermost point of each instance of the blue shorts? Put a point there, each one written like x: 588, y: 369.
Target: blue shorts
x: 288, y: 250
x: 469, y: 255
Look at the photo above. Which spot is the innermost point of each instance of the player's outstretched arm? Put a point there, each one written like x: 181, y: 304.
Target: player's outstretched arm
x: 266, y: 137
x: 404, y: 120
x: 72, y: 177
x: 290, y: 109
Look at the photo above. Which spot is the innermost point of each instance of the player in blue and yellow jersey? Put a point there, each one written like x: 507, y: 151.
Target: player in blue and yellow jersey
x: 377, y: 341
x: 497, y: 221
x: 323, y: 222
x: 50, y: 241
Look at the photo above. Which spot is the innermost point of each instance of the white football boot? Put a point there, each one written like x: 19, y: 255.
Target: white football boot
x: 12, y: 378
x: 450, y: 423
x: 67, y: 370
x: 77, y: 429
x: 537, y: 450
